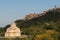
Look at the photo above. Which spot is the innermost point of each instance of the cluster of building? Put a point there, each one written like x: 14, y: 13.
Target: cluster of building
x: 30, y: 16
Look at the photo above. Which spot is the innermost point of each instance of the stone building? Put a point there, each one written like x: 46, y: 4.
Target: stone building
x: 13, y: 31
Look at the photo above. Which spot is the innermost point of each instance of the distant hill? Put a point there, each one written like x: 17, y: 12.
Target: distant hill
x: 50, y: 17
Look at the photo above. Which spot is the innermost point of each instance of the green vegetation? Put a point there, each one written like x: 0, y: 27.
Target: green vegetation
x: 45, y: 27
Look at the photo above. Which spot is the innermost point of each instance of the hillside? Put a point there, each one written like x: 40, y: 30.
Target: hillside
x: 50, y: 17
x: 43, y: 26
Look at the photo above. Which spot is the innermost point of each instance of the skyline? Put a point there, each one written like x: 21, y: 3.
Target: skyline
x: 11, y: 10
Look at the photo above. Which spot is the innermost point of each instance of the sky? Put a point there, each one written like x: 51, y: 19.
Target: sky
x: 11, y: 10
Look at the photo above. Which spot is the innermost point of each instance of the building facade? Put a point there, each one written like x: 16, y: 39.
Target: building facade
x: 13, y: 31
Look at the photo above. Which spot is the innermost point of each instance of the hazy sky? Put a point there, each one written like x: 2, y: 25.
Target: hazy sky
x: 11, y: 10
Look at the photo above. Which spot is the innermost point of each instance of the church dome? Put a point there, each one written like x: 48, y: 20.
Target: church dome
x: 13, y: 31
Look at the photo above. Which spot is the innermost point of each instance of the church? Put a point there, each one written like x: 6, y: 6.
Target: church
x: 13, y: 31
